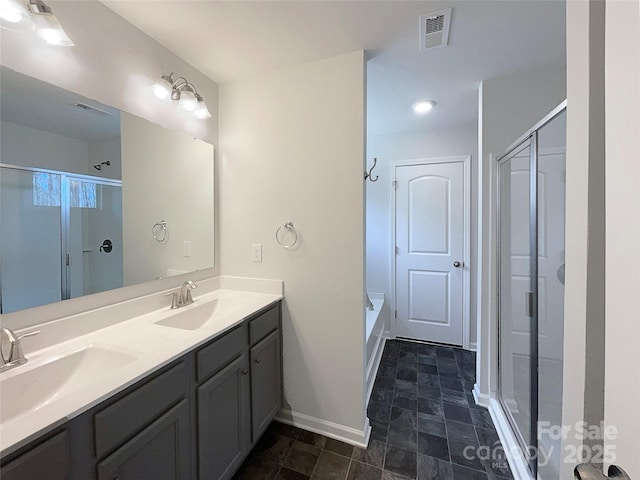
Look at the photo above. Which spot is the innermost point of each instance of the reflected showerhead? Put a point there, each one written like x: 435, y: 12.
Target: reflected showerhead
x: 98, y: 166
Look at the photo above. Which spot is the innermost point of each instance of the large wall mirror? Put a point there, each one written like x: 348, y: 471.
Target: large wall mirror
x: 93, y: 199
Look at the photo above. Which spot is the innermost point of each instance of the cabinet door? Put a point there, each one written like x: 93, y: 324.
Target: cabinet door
x: 223, y: 421
x: 159, y: 452
x: 48, y: 460
x: 266, y: 382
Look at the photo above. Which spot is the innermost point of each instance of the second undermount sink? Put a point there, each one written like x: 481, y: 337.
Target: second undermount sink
x: 194, y: 316
x: 33, y: 388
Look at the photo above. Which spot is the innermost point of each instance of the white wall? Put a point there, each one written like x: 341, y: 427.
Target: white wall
x: 292, y: 149
x: 622, y: 77
x: 176, y: 171
x: 106, y: 151
x: 583, y: 375
x: 28, y: 147
x: 459, y: 141
x: 116, y: 64
x: 508, y: 107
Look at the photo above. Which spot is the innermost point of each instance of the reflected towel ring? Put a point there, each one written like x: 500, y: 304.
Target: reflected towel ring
x: 159, y: 231
x: 289, y: 227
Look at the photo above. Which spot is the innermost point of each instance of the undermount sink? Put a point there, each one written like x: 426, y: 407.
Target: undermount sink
x: 36, y: 387
x: 195, y: 316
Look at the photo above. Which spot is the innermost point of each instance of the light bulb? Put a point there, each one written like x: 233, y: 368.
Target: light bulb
x: 188, y: 100
x: 163, y: 87
x: 48, y: 28
x: 423, y: 106
x: 14, y: 16
x: 201, y: 112
x: 11, y: 16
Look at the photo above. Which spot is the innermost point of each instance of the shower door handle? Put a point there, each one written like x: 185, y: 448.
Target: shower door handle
x: 529, y: 303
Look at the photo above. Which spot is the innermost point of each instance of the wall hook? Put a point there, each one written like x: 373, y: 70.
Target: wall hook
x: 369, y: 174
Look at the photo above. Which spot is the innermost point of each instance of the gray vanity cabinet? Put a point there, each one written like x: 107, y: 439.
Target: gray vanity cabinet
x: 265, y: 382
x: 204, y: 411
x: 223, y: 406
x: 50, y: 460
x: 241, y: 398
x: 223, y: 421
x: 160, y: 452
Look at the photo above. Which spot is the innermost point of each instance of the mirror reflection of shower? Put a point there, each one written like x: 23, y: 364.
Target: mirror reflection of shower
x: 98, y: 166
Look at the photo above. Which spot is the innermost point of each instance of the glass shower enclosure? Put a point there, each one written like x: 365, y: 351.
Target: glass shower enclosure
x: 531, y: 209
x: 60, y: 236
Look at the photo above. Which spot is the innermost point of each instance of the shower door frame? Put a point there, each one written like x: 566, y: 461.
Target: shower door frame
x: 530, y: 139
x: 65, y: 215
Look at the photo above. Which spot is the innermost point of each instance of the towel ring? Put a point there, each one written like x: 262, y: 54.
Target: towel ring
x: 159, y: 231
x: 289, y: 227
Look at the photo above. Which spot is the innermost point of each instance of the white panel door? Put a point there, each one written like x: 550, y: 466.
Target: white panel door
x: 429, y: 244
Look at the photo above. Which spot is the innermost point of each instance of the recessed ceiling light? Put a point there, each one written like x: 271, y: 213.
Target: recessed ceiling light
x: 423, y: 106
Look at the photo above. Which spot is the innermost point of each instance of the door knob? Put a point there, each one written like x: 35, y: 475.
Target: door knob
x: 456, y: 264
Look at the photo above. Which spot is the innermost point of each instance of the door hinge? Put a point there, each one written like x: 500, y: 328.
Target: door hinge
x: 395, y: 314
x: 394, y: 184
x: 397, y: 251
x: 67, y: 259
x: 530, y: 303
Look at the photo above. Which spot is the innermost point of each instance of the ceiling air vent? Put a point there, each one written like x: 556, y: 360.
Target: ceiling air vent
x: 92, y: 109
x: 434, y: 29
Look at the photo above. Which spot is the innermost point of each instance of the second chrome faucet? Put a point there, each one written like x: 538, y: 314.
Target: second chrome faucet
x: 183, y: 298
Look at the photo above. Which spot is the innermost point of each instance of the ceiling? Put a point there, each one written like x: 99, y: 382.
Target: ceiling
x: 232, y: 40
x: 32, y: 103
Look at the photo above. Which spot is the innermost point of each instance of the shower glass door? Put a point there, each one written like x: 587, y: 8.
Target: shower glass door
x: 517, y: 335
x: 31, y: 239
x: 94, y: 238
x: 54, y: 227
x: 551, y: 165
x: 531, y: 236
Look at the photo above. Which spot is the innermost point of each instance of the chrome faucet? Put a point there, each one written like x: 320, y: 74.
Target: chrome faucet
x: 15, y: 355
x: 184, y: 297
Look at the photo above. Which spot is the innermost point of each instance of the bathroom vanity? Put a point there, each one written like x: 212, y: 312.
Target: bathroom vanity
x: 196, y: 415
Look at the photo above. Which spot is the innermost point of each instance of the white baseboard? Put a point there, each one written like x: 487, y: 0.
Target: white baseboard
x: 359, y: 438
x: 482, y: 399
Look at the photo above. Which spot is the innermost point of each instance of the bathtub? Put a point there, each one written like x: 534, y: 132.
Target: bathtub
x: 375, y: 330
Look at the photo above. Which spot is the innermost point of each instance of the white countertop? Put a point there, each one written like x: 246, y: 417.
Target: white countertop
x: 120, y: 355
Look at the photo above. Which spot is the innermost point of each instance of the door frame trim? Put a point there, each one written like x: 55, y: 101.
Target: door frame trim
x: 466, y: 274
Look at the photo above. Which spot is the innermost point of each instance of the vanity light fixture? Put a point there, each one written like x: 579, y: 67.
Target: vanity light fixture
x: 34, y: 15
x: 201, y: 110
x: 423, y: 106
x: 183, y: 92
x: 48, y: 27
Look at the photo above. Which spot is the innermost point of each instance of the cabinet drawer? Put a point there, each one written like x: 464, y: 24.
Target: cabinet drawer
x: 220, y: 352
x: 159, y: 452
x: 132, y: 413
x: 263, y: 325
x: 50, y: 460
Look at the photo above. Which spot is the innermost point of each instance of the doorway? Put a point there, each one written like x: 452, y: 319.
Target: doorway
x: 431, y: 235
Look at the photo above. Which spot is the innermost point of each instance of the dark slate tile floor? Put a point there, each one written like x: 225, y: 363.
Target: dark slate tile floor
x: 425, y: 426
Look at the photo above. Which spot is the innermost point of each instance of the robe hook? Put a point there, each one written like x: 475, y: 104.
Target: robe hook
x: 369, y: 173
